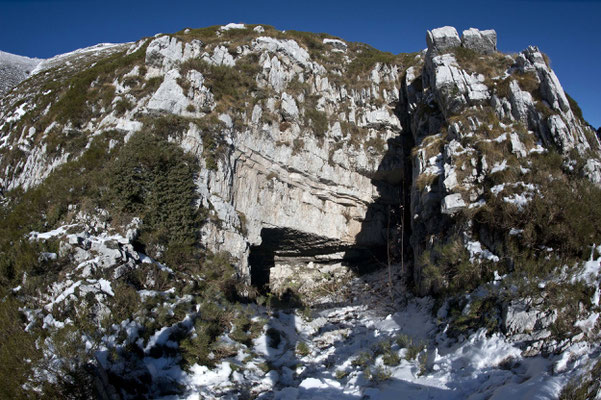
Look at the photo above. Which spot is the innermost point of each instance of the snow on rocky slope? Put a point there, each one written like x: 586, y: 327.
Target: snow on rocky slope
x: 14, y: 69
x: 291, y: 168
x: 367, y: 345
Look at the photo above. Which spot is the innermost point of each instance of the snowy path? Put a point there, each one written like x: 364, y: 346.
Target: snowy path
x: 347, y: 346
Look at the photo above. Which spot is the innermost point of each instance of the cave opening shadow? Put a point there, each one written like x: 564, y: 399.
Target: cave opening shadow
x: 260, y: 260
x: 386, y: 229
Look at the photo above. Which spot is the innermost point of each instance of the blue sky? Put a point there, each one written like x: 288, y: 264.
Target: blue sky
x: 568, y: 31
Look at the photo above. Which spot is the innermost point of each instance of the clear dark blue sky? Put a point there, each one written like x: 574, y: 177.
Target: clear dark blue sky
x: 568, y: 31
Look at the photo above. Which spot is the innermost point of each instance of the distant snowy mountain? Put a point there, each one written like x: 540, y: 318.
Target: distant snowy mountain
x: 14, y: 69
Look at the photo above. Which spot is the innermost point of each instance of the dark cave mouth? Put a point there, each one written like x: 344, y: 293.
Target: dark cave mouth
x: 301, y: 247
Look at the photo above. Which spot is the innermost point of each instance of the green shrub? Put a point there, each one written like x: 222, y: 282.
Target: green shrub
x: 483, y: 313
x: 125, y: 303
x: 75, y: 104
x: 209, y: 324
x: 122, y: 106
x: 16, y: 346
x: 402, y: 340
x: 583, y: 386
x: 391, y: 358
x: 413, y: 350
x: 363, y: 360
x: 242, y: 325
x: 68, y: 142
x: 377, y: 374
x: 154, y: 179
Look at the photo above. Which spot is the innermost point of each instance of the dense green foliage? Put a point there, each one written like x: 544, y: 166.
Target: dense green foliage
x: 153, y: 179
x: 15, y: 349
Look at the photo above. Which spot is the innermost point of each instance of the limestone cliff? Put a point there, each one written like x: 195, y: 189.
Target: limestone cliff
x: 301, y: 148
x: 174, y: 181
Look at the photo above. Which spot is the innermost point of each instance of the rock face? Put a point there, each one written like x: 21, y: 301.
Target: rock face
x: 442, y: 39
x: 451, y: 101
x: 310, y: 156
x: 276, y: 171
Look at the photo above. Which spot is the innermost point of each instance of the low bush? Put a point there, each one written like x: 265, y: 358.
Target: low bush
x: 231, y: 86
x: 318, y: 121
x: 16, y: 347
x: 363, y: 360
x: 575, y: 108
x: 413, y: 351
x: 377, y: 374
x: 76, y: 103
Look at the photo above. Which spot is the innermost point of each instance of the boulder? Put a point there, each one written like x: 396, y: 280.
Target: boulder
x: 481, y: 41
x: 289, y: 108
x: 441, y: 39
x: 452, y: 203
x: 526, y: 320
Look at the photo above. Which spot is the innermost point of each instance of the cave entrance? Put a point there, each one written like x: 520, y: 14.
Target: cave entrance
x: 286, y: 243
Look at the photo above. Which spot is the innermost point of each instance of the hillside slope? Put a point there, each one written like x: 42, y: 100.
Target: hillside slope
x: 238, y: 212
x: 14, y: 69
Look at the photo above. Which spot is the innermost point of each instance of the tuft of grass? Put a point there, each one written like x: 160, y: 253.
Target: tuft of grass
x: 363, y: 360
x: 341, y: 374
x: 302, y: 349
x: 230, y: 85
x: 575, y: 108
x: 377, y: 374
x: 413, y: 350
x: 489, y: 65
x: 366, y: 58
x: 584, y: 386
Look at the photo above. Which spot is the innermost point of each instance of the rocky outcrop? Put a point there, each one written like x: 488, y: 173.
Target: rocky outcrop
x: 527, y: 321
x: 315, y: 155
x: 455, y: 99
x: 442, y: 39
x: 484, y: 42
x: 308, y: 160
x: 274, y: 171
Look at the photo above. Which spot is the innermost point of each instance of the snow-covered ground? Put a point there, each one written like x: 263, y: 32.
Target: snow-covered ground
x: 365, y: 345
x: 347, y: 347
